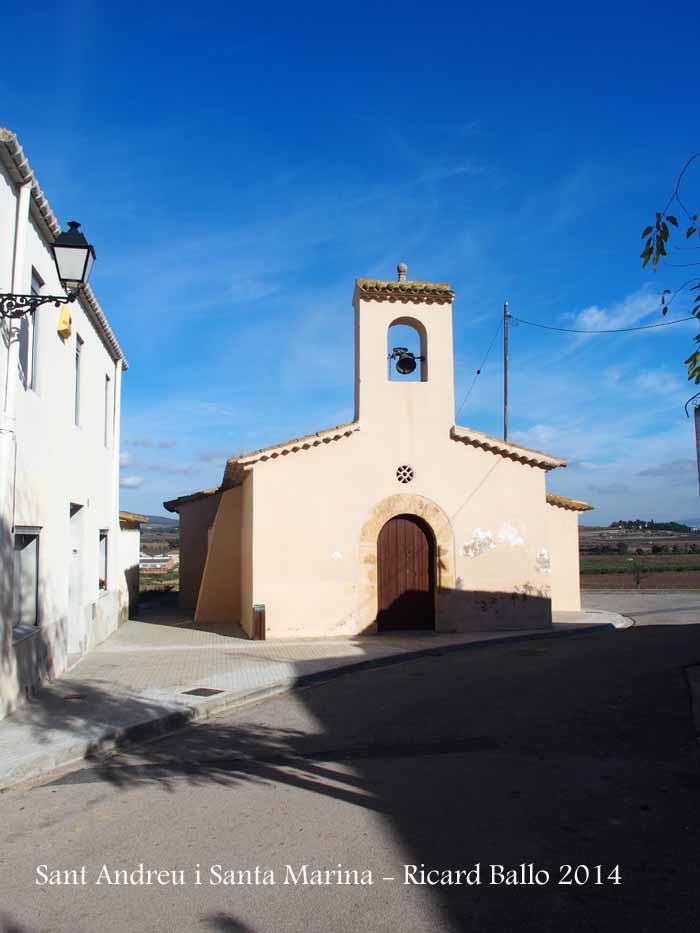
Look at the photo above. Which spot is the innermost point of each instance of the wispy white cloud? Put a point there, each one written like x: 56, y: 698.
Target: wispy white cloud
x: 671, y: 468
x: 207, y: 456
x: 150, y: 442
x: 131, y: 482
x: 609, y: 489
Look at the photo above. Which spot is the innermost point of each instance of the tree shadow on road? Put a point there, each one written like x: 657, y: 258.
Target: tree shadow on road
x: 574, y: 751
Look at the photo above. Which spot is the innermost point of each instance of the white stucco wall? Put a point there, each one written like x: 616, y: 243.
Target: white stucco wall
x: 52, y: 463
x: 129, y: 551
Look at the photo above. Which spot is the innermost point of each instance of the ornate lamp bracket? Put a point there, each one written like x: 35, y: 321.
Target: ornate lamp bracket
x: 16, y: 306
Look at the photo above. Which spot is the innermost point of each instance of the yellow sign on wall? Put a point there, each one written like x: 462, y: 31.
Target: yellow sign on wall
x: 65, y: 322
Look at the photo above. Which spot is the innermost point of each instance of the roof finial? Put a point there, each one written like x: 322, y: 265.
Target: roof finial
x: 402, y: 269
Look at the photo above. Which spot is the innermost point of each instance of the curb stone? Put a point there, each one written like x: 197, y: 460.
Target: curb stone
x: 157, y: 726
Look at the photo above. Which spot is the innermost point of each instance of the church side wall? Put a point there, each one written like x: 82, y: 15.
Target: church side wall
x: 220, y: 592
x: 195, y: 520
x: 562, y: 526
x: 246, y: 528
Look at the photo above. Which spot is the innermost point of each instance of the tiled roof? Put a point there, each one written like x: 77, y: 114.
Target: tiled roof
x: 235, y: 467
x: 573, y: 504
x: 21, y: 172
x: 133, y: 518
x: 506, y: 449
x: 428, y: 292
x: 173, y: 505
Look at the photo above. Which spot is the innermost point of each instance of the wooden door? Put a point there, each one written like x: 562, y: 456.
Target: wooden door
x: 405, y: 574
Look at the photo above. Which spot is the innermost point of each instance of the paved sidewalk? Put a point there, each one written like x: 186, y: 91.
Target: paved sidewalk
x: 648, y: 607
x: 135, y: 685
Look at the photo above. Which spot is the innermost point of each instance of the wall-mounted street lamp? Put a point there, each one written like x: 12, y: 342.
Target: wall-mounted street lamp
x: 74, y: 258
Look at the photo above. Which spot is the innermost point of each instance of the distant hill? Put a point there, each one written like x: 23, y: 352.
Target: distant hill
x: 693, y: 522
x: 162, y: 521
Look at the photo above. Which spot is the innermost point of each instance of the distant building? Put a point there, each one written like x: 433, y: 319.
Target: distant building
x: 149, y: 562
x: 398, y: 519
x: 60, y: 386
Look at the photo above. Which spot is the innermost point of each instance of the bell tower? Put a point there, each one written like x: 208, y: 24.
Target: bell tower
x: 397, y: 389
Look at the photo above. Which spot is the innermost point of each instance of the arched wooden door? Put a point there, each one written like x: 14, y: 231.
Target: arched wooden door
x: 405, y: 575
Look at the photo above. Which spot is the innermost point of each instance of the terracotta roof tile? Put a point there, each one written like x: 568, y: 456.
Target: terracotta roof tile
x: 506, y: 449
x: 132, y: 517
x: 429, y: 292
x: 235, y: 466
x: 173, y: 505
x: 573, y: 504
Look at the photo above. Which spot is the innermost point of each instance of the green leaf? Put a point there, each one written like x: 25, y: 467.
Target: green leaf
x: 647, y: 231
x: 689, y: 232
x: 671, y: 219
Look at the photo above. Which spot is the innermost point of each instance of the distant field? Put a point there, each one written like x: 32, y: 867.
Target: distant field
x: 662, y: 571
x: 159, y: 582
x: 662, y: 563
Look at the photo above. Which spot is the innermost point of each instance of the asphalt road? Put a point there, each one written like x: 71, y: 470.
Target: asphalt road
x: 579, y: 751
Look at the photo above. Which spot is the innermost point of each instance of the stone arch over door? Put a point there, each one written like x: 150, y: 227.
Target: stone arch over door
x: 389, y: 508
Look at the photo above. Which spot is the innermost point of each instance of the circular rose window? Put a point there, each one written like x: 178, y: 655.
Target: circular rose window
x: 404, y: 474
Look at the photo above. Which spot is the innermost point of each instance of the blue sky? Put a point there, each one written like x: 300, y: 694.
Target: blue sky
x: 237, y: 166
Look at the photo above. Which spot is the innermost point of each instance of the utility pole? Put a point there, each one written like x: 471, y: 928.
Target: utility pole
x: 505, y: 377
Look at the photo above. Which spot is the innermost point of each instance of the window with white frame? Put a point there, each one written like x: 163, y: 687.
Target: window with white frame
x: 28, y: 338
x: 104, y: 551
x: 78, y: 351
x: 26, y: 576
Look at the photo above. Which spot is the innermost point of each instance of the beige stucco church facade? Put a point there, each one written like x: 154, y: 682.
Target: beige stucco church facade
x: 400, y: 519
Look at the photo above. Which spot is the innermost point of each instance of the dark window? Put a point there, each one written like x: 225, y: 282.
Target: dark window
x: 26, y: 578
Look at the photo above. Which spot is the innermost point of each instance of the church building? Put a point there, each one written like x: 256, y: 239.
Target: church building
x: 398, y: 520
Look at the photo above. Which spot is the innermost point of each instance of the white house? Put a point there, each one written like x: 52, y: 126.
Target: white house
x: 129, y: 557
x: 59, y: 461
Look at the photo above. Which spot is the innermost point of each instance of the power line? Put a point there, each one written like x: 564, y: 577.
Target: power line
x: 478, y: 372
x: 612, y: 330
